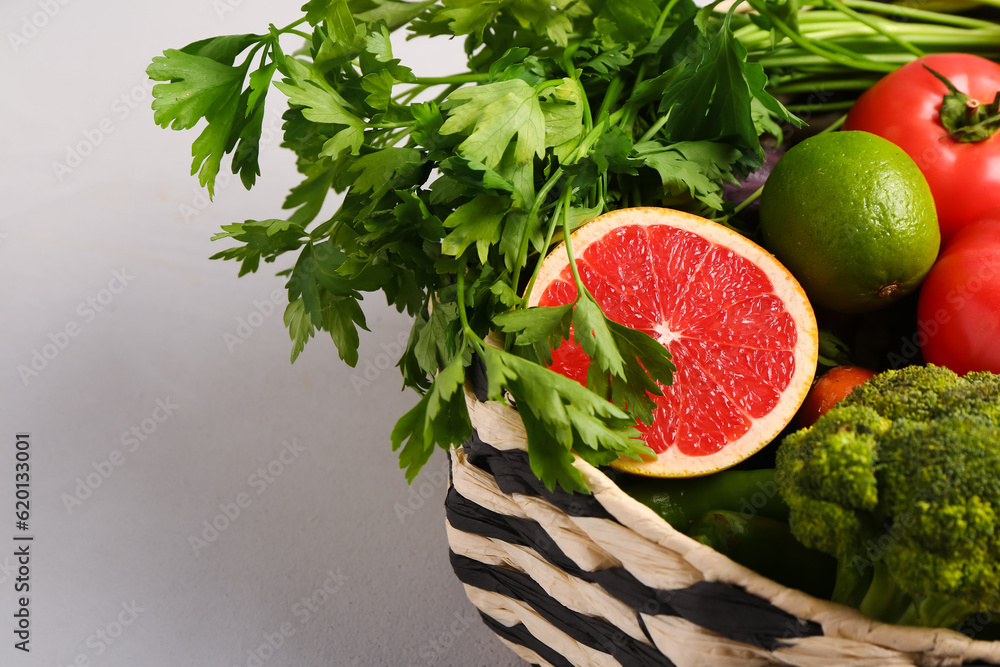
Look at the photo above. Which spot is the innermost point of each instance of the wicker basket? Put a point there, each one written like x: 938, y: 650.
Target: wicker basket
x: 568, y: 579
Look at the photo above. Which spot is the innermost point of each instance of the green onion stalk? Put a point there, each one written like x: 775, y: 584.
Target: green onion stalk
x: 839, y: 48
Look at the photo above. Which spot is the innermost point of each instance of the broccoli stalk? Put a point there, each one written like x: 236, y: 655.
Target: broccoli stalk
x: 884, y: 599
x: 901, y: 483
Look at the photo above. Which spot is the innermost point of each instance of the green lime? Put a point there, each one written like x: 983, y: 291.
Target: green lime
x: 853, y: 219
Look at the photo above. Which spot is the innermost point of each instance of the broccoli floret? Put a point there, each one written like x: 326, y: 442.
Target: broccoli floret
x: 913, y: 392
x: 923, y: 393
x: 901, y: 483
x: 827, y: 476
x: 940, y: 484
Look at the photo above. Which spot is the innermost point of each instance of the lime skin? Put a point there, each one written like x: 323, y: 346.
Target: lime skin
x: 853, y: 219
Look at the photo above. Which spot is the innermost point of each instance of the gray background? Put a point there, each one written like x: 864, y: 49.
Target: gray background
x: 103, y: 235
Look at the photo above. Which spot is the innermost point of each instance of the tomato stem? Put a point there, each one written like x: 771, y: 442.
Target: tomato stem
x: 964, y: 117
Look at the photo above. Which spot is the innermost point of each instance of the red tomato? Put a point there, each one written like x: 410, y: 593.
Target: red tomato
x: 958, y: 310
x: 829, y: 389
x: 903, y: 107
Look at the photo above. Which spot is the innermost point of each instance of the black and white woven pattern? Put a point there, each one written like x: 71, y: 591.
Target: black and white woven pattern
x: 567, y: 579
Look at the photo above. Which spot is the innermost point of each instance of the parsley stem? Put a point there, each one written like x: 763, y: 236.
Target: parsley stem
x: 835, y: 125
x: 610, y: 96
x: 595, y: 134
x: 446, y: 92
x: 588, y: 119
x: 385, y: 125
x: 460, y: 297
x: 660, y: 122
x: 567, y: 198
x: 522, y: 255
x: 549, y: 233
x: 392, y: 138
x: 406, y: 96
x: 471, y: 77
x: 294, y: 24
x: 253, y: 52
x: 658, y: 28
x: 468, y: 335
x: 754, y: 196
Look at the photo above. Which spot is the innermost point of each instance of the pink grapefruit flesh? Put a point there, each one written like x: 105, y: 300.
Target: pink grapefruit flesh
x: 737, y: 324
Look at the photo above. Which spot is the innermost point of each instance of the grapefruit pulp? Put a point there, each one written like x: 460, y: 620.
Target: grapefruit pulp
x: 739, y: 327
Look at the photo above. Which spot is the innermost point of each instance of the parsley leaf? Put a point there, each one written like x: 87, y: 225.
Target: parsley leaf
x: 260, y: 239
x: 561, y: 416
x: 710, y: 97
x: 543, y: 328
x: 201, y: 87
x: 215, y: 140
x: 222, y: 49
x: 441, y: 417
x: 198, y: 86
x: 696, y: 168
x: 469, y: 16
x: 491, y: 115
x: 299, y: 324
x: 476, y: 222
x: 381, y: 166
x: 308, y: 88
x: 563, y: 113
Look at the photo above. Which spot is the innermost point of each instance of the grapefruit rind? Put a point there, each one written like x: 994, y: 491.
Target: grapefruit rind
x: 672, y: 463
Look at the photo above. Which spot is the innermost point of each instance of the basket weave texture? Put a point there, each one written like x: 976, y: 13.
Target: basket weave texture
x: 568, y: 579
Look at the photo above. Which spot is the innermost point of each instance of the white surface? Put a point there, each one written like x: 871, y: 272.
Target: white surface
x: 112, y: 229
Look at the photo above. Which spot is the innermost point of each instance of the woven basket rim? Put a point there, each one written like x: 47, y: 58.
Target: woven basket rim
x: 499, y: 424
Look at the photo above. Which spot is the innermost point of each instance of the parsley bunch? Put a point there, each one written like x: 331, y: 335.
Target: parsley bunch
x: 454, y: 187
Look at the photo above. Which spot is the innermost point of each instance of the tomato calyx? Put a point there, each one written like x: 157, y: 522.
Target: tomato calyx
x: 967, y: 119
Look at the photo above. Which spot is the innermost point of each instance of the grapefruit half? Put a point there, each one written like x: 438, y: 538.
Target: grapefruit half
x: 739, y: 327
